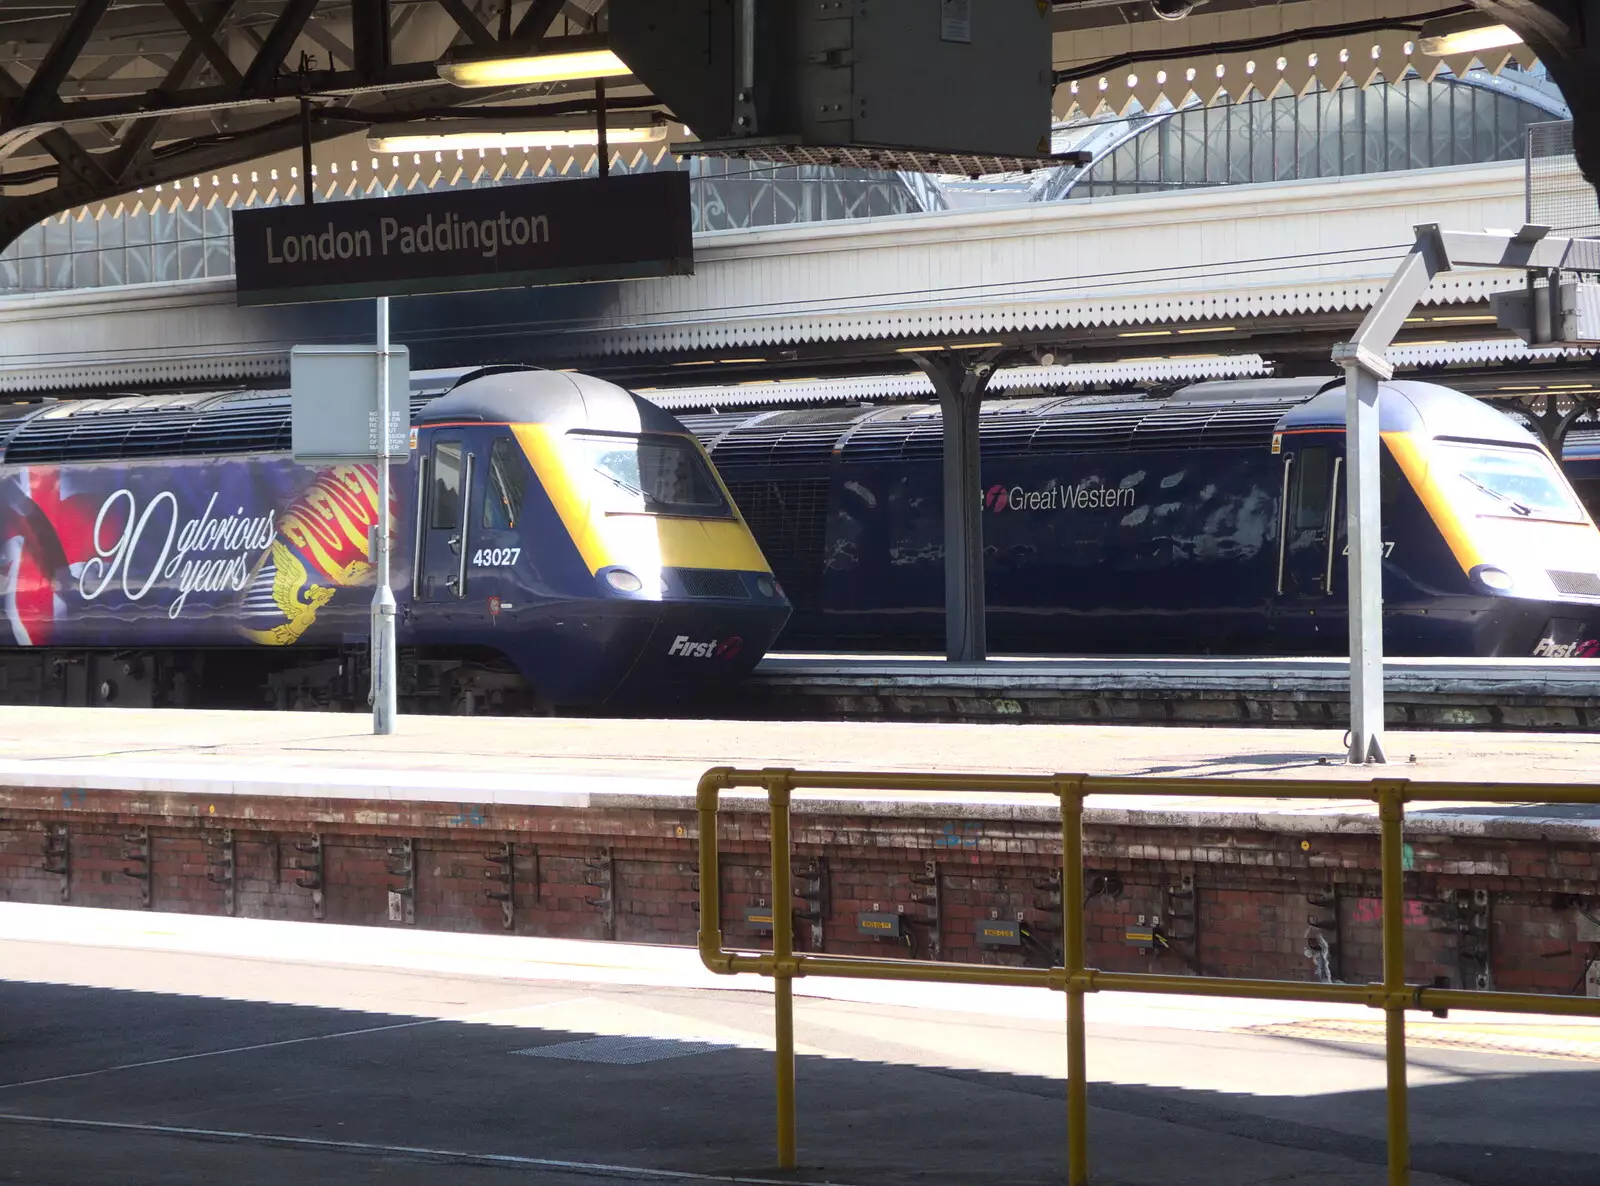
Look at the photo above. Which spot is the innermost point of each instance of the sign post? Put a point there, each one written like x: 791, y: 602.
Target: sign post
x: 384, y: 653
x: 342, y: 411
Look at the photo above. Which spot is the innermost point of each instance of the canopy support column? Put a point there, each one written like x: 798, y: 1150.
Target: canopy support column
x: 960, y: 384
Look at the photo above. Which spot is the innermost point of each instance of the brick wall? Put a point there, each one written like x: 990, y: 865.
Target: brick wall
x: 1239, y: 902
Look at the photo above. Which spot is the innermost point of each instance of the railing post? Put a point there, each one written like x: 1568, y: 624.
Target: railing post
x: 710, y: 936
x: 778, y: 795
x: 1073, y: 956
x: 1391, y: 816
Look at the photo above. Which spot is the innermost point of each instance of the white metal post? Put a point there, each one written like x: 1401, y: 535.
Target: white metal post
x: 384, y: 655
x: 1365, y: 369
x: 1364, y: 536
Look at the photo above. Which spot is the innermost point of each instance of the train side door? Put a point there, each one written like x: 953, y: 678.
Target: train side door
x: 448, y: 474
x: 1309, y: 539
x: 496, y: 530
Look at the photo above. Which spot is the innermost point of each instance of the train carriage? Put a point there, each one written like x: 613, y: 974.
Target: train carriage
x: 559, y: 543
x: 1208, y: 522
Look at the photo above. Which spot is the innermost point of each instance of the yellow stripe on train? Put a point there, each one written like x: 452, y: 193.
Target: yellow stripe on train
x: 638, y: 541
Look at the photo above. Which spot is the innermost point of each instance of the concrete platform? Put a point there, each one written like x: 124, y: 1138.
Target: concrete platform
x: 180, y: 1051
x: 1432, y: 693
x: 629, y: 764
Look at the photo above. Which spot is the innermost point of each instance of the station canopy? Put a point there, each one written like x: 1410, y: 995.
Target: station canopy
x: 100, y: 98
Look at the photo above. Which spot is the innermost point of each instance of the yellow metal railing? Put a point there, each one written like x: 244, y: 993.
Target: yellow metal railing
x: 1393, y: 995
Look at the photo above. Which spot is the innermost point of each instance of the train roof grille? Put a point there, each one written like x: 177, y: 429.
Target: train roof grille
x: 1010, y: 433
x: 1100, y: 430
x: 801, y: 437
x: 127, y: 428
x: 1244, y: 425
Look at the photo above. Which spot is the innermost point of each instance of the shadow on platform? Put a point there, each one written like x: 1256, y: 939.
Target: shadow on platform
x: 159, y: 1089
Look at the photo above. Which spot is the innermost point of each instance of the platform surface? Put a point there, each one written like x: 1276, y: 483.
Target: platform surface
x: 169, y: 1050
x: 579, y: 762
x: 918, y: 673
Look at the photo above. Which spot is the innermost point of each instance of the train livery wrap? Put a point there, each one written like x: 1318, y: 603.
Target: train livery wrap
x: 182, y: 548
x: 1212, y: 521
x: 558, y: 542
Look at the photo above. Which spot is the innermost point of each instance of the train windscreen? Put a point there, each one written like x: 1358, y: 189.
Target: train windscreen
x: 1511, y: 483
x: 650, y: 475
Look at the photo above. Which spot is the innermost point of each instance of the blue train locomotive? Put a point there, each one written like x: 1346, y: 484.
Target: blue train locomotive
x: 559, y: 543
x: 1211, y: 521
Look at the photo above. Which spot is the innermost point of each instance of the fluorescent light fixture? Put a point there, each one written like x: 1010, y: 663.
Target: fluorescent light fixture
x: 978, y: 345
x: 1146, y: 333
x: 1464, y: 33
x: 553, y: 67
x: 917, y: 349
x: 699, y: 362
x: 733, y: 361
x: 433, y: 136
x: 1211, y: 329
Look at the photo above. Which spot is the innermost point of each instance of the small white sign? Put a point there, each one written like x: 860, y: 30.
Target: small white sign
x: 955, y: 21
x: 397, y: 909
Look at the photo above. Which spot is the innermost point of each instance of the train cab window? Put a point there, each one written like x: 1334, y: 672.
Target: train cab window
x: 508, y: 482
x: 446, y: 511
x: 1312, y: 489
x: 650, y: 474
x: 1508, y: 482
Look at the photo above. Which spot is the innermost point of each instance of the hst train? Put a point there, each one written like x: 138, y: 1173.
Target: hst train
x: 560, y: 543
x: 1212, y: 521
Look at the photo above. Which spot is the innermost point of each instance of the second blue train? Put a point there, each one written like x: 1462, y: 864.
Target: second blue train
x: 1212, y: 521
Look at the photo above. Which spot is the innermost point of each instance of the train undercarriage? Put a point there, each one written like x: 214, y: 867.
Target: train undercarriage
x: 456, y: 682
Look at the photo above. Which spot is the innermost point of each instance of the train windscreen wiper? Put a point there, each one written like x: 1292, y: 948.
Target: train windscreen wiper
x: 1499, y: 495
x: 624, y: 483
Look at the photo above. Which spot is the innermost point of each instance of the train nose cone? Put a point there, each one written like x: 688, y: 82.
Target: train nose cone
x: 706, y: 649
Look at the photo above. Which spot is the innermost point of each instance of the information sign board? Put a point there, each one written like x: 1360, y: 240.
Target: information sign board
x: 333, y: 394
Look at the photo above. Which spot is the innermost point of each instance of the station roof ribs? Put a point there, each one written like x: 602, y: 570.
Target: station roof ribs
x: 104, y: 97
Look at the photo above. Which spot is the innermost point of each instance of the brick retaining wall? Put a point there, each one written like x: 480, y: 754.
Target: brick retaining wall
x: 1241, y: 901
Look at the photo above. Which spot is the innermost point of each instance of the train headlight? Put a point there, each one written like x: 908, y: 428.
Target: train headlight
x: 1494, y: 578
x: 767, y: 587
x: 623, y: 581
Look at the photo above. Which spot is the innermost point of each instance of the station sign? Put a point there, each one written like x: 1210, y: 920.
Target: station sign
x: 510, y: 236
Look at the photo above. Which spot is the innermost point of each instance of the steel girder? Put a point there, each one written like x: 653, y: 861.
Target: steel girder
x: 102, y: 97
x: 1566, y: 36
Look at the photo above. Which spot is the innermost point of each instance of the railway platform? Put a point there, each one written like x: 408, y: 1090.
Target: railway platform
x: 1554, y: 694
x: 570, y: 761
x: 179, y: 1050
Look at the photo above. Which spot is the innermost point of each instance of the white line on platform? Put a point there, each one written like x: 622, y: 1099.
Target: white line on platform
x: 373, y: 1029
x: 577, y: 1167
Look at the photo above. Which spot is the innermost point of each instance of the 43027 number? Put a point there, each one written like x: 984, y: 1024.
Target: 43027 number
x: 495, y: 557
